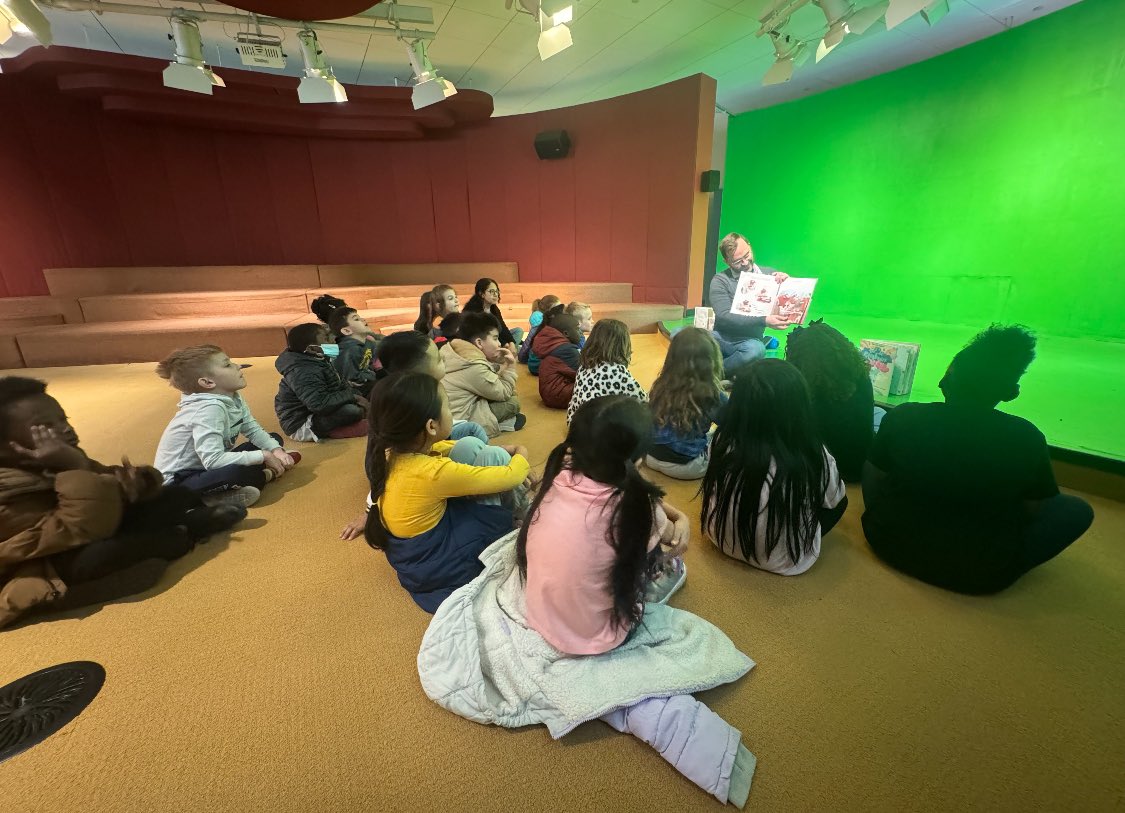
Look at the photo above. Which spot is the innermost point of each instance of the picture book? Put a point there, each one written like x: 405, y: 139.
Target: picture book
x: 704, y: 318
x: 761, y: 295
x: 892, y: 365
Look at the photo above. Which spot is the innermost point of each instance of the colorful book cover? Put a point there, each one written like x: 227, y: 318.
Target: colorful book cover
x: 892, y: 365
x: 761, y: 295
x: 705, y: 318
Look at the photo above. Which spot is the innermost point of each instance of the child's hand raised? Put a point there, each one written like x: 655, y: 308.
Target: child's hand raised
x: 49, y: 451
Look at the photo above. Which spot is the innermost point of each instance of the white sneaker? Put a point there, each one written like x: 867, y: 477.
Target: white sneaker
x: 239, y: 495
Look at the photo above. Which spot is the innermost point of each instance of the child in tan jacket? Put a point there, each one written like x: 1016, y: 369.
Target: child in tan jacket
x: 480, y: 376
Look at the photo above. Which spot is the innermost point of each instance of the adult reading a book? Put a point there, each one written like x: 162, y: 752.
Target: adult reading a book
x: 741, y: 338
x: 963, y: 496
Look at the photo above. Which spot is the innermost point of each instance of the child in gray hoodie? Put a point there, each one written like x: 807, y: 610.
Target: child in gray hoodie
x: 198, y: 450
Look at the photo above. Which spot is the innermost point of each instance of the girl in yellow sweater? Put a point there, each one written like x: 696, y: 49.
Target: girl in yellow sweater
x: 431, y: 535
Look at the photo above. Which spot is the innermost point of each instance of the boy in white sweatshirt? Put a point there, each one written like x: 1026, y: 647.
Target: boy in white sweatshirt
x: 197, y: 449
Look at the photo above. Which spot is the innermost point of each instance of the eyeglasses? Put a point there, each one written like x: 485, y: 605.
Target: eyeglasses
x: 745, y: 259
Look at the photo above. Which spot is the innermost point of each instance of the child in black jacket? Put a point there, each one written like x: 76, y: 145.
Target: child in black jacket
x: 313, y: 402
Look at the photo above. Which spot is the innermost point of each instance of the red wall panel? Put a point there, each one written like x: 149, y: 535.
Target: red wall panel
x: 96, y: 189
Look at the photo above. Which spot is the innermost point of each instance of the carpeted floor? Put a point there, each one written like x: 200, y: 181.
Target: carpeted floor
x: 274, y: 669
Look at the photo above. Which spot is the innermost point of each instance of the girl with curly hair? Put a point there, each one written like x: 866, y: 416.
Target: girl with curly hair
x: 840, y: 387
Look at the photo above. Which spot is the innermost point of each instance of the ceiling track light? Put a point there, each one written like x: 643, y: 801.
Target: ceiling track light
x: 554, y: 32
x: 554, y: 17
x: 899, y: 11
x: 790, y: 52
x: 844, y: 18
x: 430, y: 87
x: 188, y: 71
x: 23, y: 17
x: 318, y: 85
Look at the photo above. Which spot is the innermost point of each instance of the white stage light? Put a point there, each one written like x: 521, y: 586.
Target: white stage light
x: 430, y: 87
x: 189, y: 71
x: 843, y: 19
x: 899, y: 11
x: 934, y: 12
x: 790, y: 52
x: 319, y: 84
x: 554, y: 33
x: 23, y: 17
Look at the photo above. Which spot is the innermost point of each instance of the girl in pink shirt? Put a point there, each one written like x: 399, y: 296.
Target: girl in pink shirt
x: 598, y: 532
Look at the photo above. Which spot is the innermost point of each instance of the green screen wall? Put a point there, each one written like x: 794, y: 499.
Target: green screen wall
x: 987, y: 184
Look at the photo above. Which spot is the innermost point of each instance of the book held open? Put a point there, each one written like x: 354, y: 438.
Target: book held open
x: 762, y: 295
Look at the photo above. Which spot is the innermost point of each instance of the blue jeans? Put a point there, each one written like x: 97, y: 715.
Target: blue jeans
x: 224, y: 478
x: 468, y: 429
x: 738, y: 353
x: 473, y: 452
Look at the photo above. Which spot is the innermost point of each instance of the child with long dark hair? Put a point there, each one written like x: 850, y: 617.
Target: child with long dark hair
x: 771, y: 490
x: 604, y: 369
x: 486, y: 299
x: 585, y: 596
x: 686, y: 399
x: 432, y: 539
x: 434, y: 306
x: 840, y: 388
x: 323, y: 306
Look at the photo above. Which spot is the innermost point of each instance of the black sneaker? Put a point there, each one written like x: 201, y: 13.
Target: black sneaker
x: 211, y: 519
x: 521, y: 421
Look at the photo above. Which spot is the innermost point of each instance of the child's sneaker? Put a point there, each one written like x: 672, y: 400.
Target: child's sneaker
x: 664, y: 585
x: 244, y: 496
x: 211, y: 519
x: 295, y: 455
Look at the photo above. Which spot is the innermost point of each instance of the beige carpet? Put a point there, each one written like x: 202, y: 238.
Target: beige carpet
x: 274, y: 670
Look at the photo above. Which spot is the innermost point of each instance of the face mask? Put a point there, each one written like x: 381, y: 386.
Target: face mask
x: 330, y: 350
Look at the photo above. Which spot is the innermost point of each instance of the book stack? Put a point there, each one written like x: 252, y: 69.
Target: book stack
x: 705, y: 318
x: 892, y: 365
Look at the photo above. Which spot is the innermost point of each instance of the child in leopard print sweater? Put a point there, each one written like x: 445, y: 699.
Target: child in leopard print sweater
x: 604, y: 369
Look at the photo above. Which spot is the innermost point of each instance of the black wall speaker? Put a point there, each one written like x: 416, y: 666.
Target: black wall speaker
x: 552, y: 144
x: 709, y: 181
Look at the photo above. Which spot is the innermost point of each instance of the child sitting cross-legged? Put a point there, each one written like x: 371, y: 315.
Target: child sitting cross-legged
x: 358, y: 343
x: 586, y: 633
x: 480, y: 376
x: 313, y: 402
x: 540, y: 308
x: 556, y: 346
x: 771, y: 490
x: 73, y: 531
x: 411, y: 352
x: 432, y: 538
x: 197, y: 449
x: 686, y: 400
x: 604, y: 369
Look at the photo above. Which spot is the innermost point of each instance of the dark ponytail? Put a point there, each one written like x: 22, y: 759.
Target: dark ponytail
x: 606, y: 437
x: 401, y: 404
x: 324, y: 304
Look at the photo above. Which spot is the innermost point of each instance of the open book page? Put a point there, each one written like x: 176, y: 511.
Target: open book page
x: 760, y: 295
x: 756, y: 295
x: 794, y: 297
